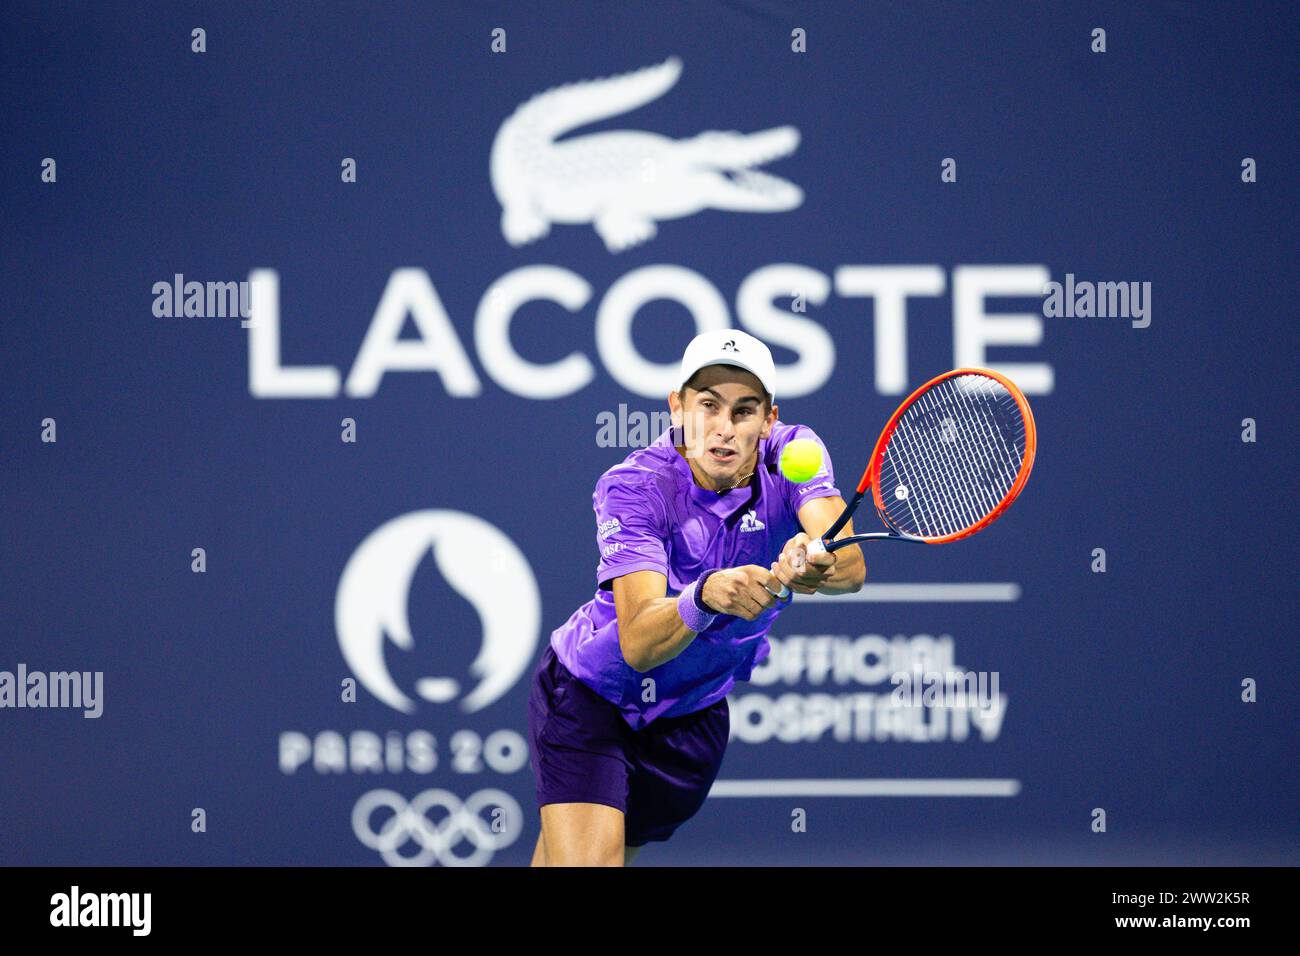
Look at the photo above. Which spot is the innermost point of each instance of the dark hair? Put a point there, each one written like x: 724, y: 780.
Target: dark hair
x: 689, y: 383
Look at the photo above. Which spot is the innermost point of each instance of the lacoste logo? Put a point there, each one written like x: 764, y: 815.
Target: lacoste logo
x: 624, y: 181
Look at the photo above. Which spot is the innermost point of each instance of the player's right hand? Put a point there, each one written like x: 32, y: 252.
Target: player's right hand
x: 741, y: 591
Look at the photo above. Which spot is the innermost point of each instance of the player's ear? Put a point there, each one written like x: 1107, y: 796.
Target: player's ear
x: 675, y: 408
x: 770, y: 421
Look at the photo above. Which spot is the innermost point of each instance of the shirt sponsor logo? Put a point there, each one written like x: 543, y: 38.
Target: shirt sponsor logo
x: 613, y: 549
x: 751, y: 523
x: 610, y: 527
x: 804, y: 489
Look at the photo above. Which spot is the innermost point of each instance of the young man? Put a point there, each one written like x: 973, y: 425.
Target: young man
x: 628, y: 711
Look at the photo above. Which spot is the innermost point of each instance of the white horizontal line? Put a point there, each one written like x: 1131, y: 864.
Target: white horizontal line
x: 866, y: 788
x: 922, y: 593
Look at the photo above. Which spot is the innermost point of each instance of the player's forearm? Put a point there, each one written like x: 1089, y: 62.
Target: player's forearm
x: 850, y: 571
x: 655, y: 634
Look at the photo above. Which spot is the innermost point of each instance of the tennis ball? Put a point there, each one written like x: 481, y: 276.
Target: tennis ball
x: 801, y: 459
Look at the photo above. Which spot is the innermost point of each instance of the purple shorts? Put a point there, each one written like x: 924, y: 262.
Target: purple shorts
x: 583, y: 751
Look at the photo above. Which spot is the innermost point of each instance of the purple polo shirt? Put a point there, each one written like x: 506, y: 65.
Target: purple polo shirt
x: 651, y: 515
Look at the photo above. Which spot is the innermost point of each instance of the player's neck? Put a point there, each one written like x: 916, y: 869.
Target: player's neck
x: 704, y: 481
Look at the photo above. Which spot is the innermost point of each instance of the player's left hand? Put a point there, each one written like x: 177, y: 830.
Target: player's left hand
x: 802, y: 573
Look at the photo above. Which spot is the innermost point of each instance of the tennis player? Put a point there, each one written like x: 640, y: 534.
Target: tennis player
x: 628, y: 710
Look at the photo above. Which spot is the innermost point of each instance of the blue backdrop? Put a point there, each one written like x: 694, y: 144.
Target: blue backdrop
x: 227, y: 690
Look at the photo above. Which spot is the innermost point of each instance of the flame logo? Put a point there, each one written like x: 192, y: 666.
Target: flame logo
x: 479, y: 562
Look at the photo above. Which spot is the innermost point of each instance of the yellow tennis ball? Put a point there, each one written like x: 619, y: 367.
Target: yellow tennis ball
x: 801, y: 459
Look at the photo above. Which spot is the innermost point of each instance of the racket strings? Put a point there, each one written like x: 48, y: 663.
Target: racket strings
x: 943, y: 496
x: 966, y: 491
x: 953, y: 457
x: 930, y: 462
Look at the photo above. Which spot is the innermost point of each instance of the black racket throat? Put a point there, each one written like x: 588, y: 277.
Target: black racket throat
x: 874, y: 536
x: 892, y: 534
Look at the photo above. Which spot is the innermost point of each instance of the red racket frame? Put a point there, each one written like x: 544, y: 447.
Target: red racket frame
x: 871, y: 477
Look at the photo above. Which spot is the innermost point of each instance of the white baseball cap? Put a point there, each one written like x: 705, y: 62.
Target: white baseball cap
x: 729, y: 347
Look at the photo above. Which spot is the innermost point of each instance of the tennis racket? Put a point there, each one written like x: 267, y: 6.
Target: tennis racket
x: 950, y: 462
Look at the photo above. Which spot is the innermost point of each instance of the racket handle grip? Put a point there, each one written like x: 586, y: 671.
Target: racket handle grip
x: 815, y: 546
